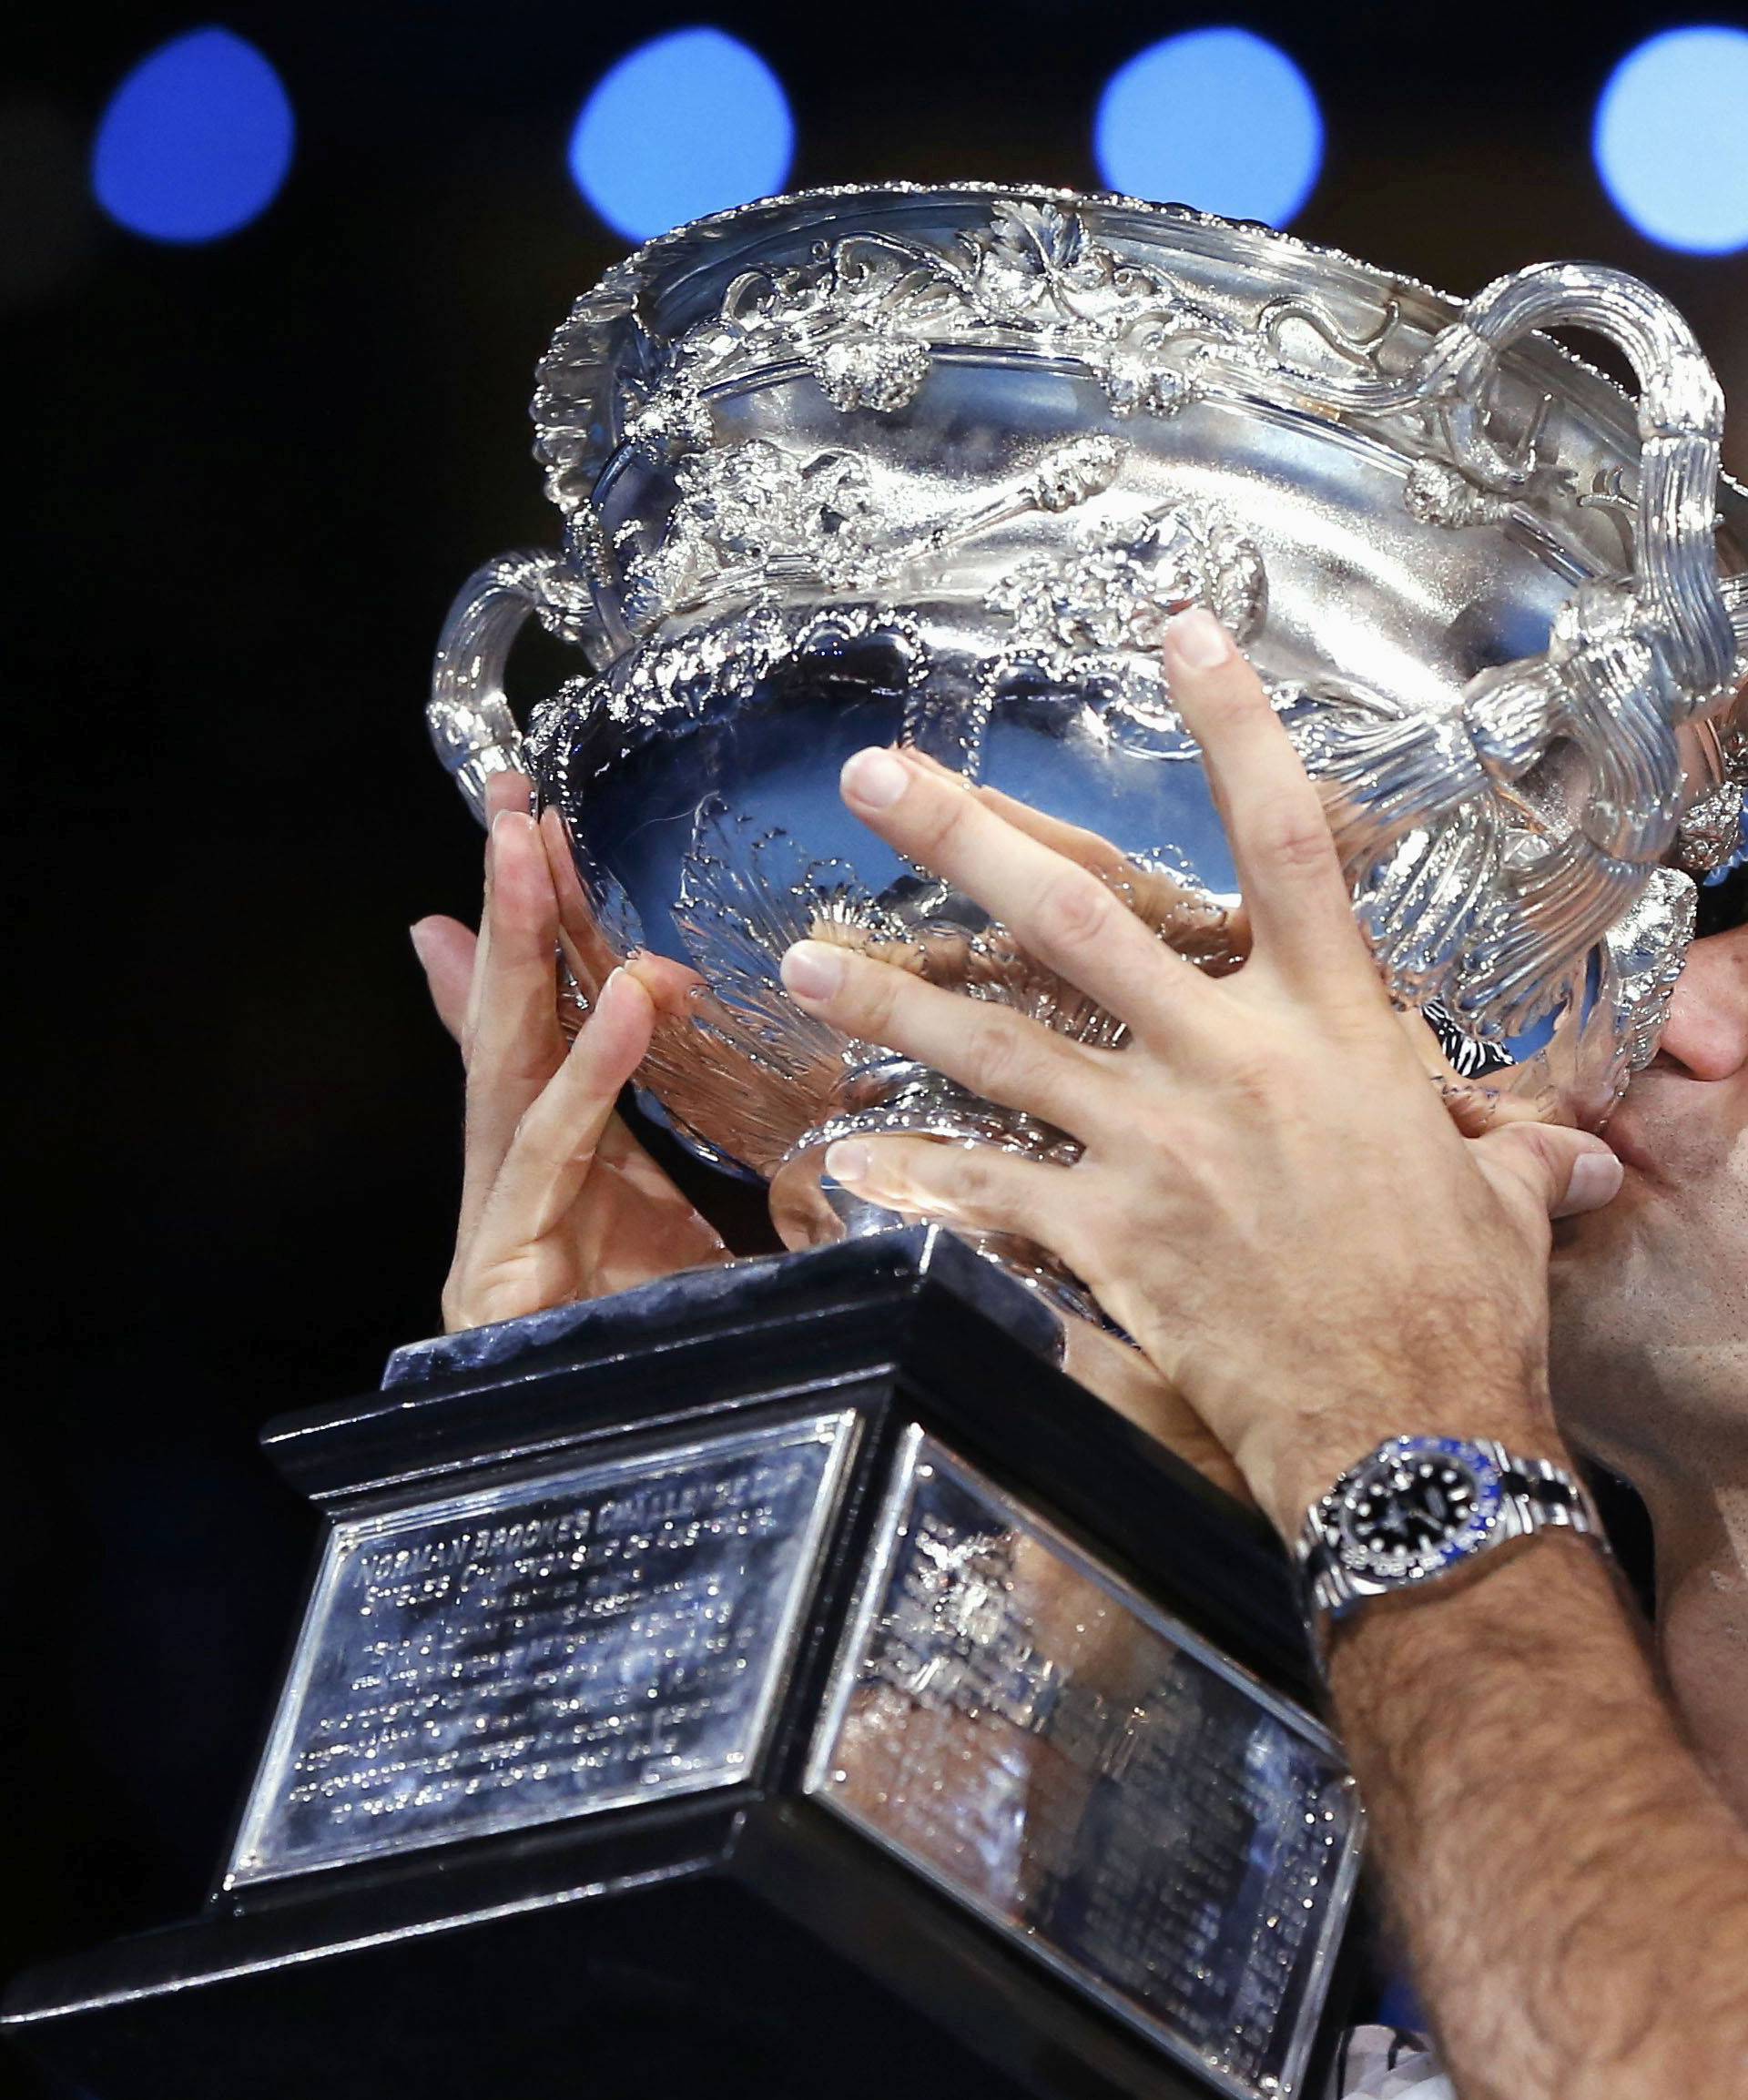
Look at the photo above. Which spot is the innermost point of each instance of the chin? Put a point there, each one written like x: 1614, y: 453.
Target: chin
x: 1598, y: 1238
x: 1605, y: 1306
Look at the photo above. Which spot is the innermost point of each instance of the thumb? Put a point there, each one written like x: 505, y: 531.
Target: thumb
x: 1562, y: 1172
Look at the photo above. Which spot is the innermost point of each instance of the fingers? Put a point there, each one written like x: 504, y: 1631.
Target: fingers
x: 510, y: 790
x: 1302, y: 920
x: 1005, y: 1056
x: 1562, y: 1172
x: 1211, y: 936
x: 590, y: 959
x: 976, y: 1186
x: 553, y: 1147
x: 585, y: 949
x: 669, y: 983
x: 445, y: 949
x: 1073, y: 841
x: 1476, y: 1109
x: 1057, y: 911
x: 1472, y: 1105
x: 513, y: 994
x: 514, y: 1042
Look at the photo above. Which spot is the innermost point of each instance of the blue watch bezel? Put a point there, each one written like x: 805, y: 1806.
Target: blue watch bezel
x: 1478, y: 1529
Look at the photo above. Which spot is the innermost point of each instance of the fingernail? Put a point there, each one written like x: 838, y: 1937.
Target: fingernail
x: 847, y: 1161
x: 419, y: 935
x: 1596, y: 1180
x: 1195, y: 637
x: 608, y: 999
x: 812, y: 969
x: 499, y: 819
x: 874, y: 778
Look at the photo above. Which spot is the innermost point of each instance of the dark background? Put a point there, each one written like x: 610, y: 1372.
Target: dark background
x: 243, y: 481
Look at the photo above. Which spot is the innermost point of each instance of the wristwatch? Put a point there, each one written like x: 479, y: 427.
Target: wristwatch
x: 1421, y: 1507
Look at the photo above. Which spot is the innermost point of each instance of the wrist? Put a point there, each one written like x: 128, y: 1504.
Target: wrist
x: 1551, y: 1584
x: 1421, y: 1514
x: 1300, y: 1460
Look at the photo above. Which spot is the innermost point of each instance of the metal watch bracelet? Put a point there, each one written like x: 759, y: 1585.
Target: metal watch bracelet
x: 1535, y: 1496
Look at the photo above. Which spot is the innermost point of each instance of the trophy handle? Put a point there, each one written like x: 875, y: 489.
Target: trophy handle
x: 1681, y: 430
x: 472, y: 728
x: 1630, y: 659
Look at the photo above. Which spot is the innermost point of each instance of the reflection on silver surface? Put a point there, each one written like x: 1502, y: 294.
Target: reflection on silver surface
x: 935, y: 463
x: 1093, y: 1778
x: 542, y: 1649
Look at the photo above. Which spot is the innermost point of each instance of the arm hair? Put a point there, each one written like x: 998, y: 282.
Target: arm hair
x: 1572, y: 1890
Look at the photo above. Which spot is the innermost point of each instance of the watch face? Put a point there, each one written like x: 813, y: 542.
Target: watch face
x: 1414, y: 1507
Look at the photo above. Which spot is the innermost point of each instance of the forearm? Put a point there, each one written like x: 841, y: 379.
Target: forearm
x: 1573, y: 1892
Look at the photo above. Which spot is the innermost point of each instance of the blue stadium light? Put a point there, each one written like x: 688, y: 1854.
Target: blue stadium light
x: 685, y: 124
x: 196, y: 141
x: 1671, y: 139
x: 1217, y: 118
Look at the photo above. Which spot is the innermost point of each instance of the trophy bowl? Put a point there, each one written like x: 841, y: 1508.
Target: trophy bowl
x: 934, y: 466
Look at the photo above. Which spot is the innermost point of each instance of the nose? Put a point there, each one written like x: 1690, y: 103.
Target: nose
x: 1707, y: 1031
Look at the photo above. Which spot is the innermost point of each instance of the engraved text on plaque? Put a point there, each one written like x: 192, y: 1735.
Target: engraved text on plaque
x: 1091, y: 1776
x: 613, y: 1633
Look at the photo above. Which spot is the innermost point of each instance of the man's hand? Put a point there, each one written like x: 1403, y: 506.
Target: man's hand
x: 1272, y: 1199
x: 1273, y: 1202
x: 559, y: 1201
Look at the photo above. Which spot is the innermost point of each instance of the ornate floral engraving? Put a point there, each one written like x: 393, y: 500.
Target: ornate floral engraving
x: 1116, y: 586
x: 872, y: 372
x: 1071, y: 472
x: 755, y: 518
x: 1711, y: 830
x: 867, y: 314
x: 1647, y: 946
x: 745, y: 511
x: 1442, y: 497
x: 752, y: 517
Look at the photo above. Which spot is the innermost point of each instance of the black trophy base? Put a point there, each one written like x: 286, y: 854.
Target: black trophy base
x: 781, y: 1677
x: 698, y: 1978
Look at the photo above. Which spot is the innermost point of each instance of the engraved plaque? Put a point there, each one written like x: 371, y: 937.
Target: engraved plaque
x: 526, y: 1652
x: 1092, y: 1776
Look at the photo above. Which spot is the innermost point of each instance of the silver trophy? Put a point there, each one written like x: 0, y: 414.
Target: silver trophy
x: 717, y: 1646
x: 936, y: 464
